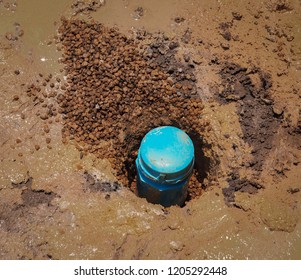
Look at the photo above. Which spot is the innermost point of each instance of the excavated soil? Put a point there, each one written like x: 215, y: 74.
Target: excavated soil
x: 118, y: 90
x: 81, y: 83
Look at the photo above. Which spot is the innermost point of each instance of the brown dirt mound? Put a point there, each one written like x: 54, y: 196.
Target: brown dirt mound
x: 118, y: 90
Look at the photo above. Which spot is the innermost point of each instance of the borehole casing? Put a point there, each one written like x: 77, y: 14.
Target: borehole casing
x: 164, y: 165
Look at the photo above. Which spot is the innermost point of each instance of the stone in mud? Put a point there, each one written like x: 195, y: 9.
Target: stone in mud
x: 227, y: 35
x: 277, y: 110
x: 293, y: 190
x: 86, y: 6
x: 279, y: 216
x: 281, y: 6
x: 27, y: 183
x: 236, y: 16
x: 225, y: 46
x: 187, y: 36
x: 11, y: 37
x: 243, y: 201
x: 186, y: 57
x: 197, y: 60
x: 225, y: 32
x: 16, y: 98
x: 173, y: 45
x: 179, y: 19
x: 95, y: 185
x: 20, y: 33
x: 138, y: 13
x: 176, y: 246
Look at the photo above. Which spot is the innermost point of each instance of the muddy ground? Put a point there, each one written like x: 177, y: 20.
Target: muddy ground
x: 232, y: 69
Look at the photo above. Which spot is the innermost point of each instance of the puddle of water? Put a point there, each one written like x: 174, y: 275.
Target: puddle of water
x: 37, y: 20
x: 156, y: 15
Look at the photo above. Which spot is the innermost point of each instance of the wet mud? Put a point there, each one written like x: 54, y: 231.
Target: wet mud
x: 258, y: 118
x: 79, y: 92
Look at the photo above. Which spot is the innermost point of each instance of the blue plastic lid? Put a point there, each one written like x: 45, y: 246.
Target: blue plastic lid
x: 166, y: 155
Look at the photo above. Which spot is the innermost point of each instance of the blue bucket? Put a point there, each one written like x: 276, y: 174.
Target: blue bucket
x: 164, y: 165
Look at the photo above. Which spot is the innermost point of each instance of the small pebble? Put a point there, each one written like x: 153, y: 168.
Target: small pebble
x: 278, y: 110
x: 46, y: 128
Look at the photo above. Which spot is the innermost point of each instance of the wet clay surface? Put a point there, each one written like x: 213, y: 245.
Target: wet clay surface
x: 258, y: 118
x: 228, y: 73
